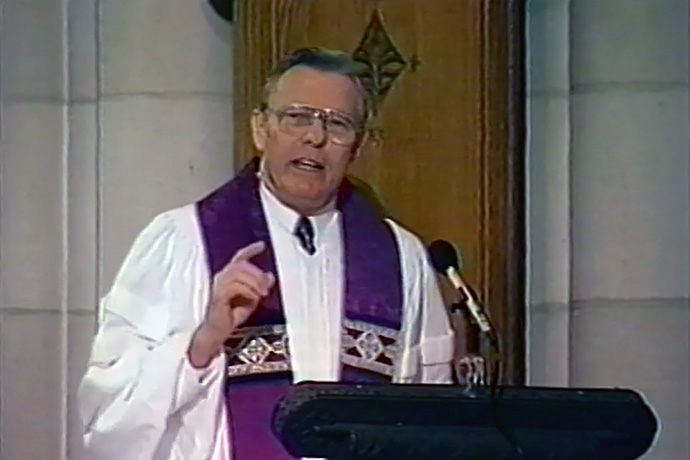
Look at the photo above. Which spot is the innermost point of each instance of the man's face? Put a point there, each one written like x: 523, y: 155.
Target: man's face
x: 305, y: 165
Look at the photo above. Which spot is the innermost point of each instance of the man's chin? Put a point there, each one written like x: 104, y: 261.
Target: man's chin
x: 310, y: 205
x: 307, y: 203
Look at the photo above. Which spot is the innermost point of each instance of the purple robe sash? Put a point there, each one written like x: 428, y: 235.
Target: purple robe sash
x: 232, y: 217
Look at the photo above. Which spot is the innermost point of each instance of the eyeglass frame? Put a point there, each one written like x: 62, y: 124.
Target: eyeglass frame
x: 322, y: 115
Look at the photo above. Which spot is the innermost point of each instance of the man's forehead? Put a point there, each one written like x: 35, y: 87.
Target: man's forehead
x: 304, y: 85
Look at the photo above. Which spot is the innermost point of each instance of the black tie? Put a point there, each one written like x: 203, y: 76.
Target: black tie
x: 304, y: 231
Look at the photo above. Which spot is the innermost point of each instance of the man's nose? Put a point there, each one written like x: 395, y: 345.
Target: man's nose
x: 316, y: 135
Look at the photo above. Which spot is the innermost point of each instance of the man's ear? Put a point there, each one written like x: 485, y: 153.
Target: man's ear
x: 259, y: 129
x: 360, y: 145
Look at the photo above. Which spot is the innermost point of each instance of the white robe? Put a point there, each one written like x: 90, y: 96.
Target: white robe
x: 140, y: 399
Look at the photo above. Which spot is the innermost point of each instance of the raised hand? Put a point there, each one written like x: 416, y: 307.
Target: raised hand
x: 235, y: 293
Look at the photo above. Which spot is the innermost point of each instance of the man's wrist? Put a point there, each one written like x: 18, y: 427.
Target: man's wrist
x: 204, y: 347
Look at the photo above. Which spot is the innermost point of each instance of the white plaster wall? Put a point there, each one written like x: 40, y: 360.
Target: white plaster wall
x: 621, y: 230
x: 110, y: 112
x: 165, y: 113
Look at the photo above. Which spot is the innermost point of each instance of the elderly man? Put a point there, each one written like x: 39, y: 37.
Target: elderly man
x: 286, y: 273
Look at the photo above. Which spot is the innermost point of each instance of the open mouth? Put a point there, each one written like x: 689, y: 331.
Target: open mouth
x: 307, y: 164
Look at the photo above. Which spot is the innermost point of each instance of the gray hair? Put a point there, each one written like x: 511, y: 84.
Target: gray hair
x: 326, y: 61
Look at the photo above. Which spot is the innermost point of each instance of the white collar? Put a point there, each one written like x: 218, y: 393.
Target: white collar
x: 287, y: 217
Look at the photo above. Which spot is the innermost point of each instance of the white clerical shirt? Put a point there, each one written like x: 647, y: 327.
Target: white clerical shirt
x: 312, y: 289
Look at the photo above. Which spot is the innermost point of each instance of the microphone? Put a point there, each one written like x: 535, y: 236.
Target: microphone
x: 444, y: 258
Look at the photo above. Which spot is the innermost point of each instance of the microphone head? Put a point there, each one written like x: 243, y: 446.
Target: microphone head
x: 443, y: 255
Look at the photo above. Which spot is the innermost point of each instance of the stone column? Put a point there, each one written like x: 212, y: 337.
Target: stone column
x: 630, y: 177
x: 33, y: 156
x: 548, y: 192
x: 82, y: 217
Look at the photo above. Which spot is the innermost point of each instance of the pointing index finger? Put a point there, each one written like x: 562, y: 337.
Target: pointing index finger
x: 249, y: 251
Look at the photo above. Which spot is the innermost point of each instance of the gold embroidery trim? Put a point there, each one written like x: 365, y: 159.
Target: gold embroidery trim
x: 265, y: 349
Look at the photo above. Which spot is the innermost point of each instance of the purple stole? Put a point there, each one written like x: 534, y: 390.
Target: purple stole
x: 258, y: 354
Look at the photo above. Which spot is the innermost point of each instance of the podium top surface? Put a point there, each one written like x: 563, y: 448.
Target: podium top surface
x: 371, y: 421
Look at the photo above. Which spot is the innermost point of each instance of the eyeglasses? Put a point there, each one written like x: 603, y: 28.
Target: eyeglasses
x: 298, y: 120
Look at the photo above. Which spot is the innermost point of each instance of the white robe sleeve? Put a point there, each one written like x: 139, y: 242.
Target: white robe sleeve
x: 427, y: 337
x: 138, y: 378
x: 437, y: 338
